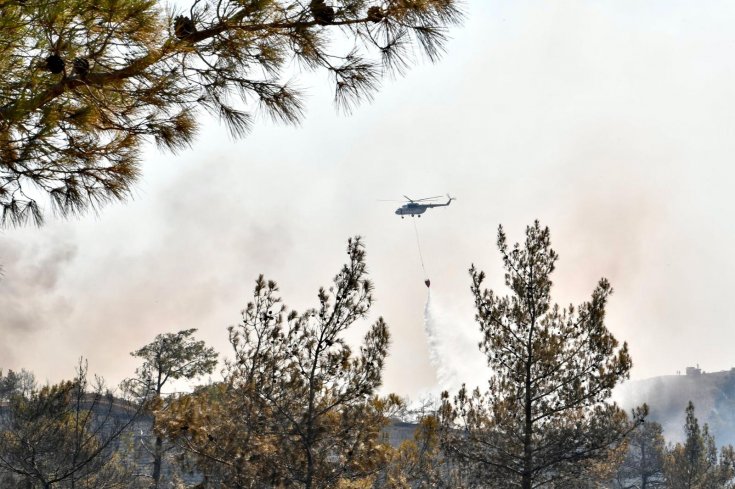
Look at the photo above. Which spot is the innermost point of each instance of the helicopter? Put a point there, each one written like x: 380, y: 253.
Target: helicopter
x: 416, y: 208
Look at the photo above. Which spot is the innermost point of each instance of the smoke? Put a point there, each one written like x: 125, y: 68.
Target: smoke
x: 713, y: 395
x: 199, y: 244
x: 453, y: 348
x: 182, y: 255
x: 28, y: 284
x: 29, y: 293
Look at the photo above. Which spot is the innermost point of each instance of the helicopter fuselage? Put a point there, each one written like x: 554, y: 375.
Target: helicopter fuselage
x: 411, y: 209
x: 416, y: 209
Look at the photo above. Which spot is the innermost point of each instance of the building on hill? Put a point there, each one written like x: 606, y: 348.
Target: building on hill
x: 713, y: 395
x: 694, y: 371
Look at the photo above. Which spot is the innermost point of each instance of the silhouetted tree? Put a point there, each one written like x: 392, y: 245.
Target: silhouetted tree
x: 298, y: 407
x: 16, y: 384
x: 695, y: 464
x: 85, y: 84
x: 65, y: 436
x: 643, y: 466
x: 170, y: 356
x: 546, y: 416
x: 419, y: 463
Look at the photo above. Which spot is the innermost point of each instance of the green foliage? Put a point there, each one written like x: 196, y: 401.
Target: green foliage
x: 16, y: 384
x: 86, y: 82
x: 643, y: 466
x: 695, y: 463
x: 546, y: 417
x: 420, y: 463
x: 299, y: 407
x: 170, y: 356
x: 65, y: 436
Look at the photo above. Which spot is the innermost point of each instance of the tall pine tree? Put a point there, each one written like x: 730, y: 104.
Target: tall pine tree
x: 299, y: 407
x: 546, y: 415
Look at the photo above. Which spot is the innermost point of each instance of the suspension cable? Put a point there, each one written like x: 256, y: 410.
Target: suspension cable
x: 418, y: 245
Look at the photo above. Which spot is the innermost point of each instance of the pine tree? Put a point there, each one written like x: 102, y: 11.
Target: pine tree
x: 14, y: 384
x: 170, y: 356
x: 643, y: 466
x: 65, y: 436
x: 546, y: 416
x: 419, y: 463
x: 695, y: 463
x: 86, y: 83
x: 298, y: 407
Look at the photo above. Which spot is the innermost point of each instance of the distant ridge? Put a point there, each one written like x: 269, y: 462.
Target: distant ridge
x: 713, y: 395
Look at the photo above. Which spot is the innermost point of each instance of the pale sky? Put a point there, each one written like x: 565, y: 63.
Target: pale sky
x: 611, y: 121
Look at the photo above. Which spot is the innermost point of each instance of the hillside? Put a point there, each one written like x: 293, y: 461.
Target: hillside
x: 713, y: 395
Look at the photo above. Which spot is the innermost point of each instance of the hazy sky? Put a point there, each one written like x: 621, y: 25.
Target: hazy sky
x: 611, y: 121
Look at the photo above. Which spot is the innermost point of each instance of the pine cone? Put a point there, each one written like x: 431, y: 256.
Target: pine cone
x: 81, y: 67
x: 323, y: 14
x: 55, y: 64
x: 184, y: 27
x: 375, y: 14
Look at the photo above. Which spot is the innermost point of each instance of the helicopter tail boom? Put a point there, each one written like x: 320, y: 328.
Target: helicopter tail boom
x: 449, y: 201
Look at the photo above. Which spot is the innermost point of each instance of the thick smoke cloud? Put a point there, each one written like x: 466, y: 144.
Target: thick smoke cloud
x: 108, y: 287
x: 28, y: 293
x: 29, y: 296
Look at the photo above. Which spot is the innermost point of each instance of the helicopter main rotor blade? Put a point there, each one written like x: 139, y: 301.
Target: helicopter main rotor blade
x: 428, y: 198
x: 409, y: 198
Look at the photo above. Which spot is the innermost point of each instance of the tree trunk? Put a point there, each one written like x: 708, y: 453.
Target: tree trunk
x: 309, y: 473
x: 157, y: 457
x: 644, y: 475
x: 526, y: 481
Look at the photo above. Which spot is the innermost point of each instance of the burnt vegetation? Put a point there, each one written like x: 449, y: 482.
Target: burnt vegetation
x: 298, y: 405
